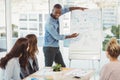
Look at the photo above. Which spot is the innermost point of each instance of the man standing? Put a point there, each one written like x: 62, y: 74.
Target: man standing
x: 51, y: 41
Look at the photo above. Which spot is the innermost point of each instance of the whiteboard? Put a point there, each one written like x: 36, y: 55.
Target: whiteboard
x: 89, y: 42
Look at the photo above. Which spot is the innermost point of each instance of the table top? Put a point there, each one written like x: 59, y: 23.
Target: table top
x: 47, y: 73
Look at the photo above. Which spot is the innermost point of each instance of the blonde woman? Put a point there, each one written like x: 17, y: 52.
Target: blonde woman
x: 32, y: 59
x: 111, y: 70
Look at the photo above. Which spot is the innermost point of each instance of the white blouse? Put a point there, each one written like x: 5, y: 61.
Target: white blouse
x: 12, y: 70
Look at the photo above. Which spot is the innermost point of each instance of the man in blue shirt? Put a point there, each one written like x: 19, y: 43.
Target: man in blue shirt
x: 52, y: 36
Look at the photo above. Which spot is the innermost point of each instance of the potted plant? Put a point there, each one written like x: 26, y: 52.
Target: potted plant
x: 57, y: 67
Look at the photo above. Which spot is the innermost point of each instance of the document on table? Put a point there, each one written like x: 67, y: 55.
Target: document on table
x: 78, y: 73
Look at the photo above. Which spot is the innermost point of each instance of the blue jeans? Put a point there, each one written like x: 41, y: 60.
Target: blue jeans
x: 53, y: 54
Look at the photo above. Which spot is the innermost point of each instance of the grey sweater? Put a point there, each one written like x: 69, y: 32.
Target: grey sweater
x: 110, y: 71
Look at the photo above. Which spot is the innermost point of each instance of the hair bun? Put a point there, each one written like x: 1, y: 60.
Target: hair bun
x: 113, y: 41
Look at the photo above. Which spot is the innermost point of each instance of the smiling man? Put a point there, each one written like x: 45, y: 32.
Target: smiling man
x: 52, y: 36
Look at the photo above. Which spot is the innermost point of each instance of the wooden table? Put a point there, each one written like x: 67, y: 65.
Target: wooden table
x: 66, y: 74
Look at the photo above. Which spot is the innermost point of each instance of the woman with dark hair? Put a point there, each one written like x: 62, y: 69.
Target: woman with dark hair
x: 16, y: 58
x: 111, y: 70
x: 32, y: 59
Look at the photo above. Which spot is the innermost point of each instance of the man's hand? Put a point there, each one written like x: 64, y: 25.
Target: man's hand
x: 72, y: 35
x: 77, y: 8
x: 83, y: 8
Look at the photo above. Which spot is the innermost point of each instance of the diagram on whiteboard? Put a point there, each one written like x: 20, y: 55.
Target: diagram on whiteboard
x: 88, y: 24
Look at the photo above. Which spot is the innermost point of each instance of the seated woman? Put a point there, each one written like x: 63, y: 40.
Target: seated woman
x: 16, y: 58
x: 32, y: 51
x: 111, y: 71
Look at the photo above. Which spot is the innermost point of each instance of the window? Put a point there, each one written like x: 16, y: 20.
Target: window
x: 2, y: 26
x: 28, y: 17
x: 110, y: 22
